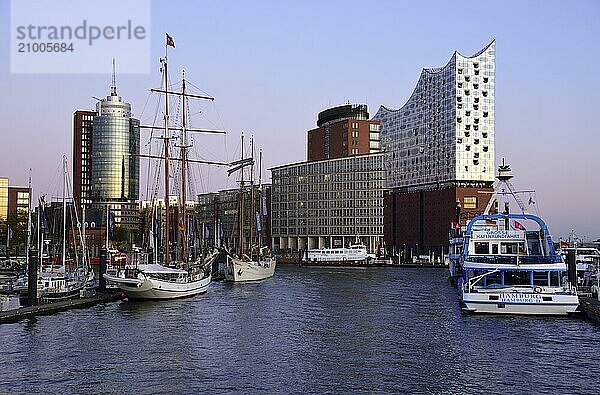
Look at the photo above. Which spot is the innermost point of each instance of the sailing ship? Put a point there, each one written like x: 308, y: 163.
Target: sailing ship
x: 180, y: 277
x: 509, y: 264
x: 254, y: 263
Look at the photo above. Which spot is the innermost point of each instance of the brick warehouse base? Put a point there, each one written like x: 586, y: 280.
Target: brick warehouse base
x: 418, y: 222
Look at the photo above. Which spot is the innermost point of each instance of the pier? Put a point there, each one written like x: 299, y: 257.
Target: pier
x: 51, y: 308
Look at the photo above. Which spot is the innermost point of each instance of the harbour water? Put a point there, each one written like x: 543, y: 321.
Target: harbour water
x: 306, y: 330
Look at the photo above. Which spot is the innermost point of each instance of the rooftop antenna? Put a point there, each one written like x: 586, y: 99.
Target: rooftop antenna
x: 113, y: 88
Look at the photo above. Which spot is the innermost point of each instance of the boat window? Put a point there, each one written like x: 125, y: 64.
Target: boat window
x: 540, y: 278
x: 482, y: 248
x: 534, y: 247
x: 516, y: 278
x: 494, y: 249
x: 554, y: 279
x: 508, y: 248
x: 493, y: 279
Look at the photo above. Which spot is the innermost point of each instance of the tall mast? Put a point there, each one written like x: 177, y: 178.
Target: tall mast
x: 64, y: 244
x: 241, y: 208
x: 260, y: 215
x: 183, y: 171
x: 166, y: 139
x: 28, y: 222
x: 252, y: 216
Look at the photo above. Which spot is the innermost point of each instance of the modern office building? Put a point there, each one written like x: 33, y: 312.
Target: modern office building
x: 115, y: 150
x: 343, y: 131
x: 82, y: 156
x: 106, y: 147
x: 439, y: 151
x: 328, y: 203
x: 13, y: 199
x: 18, y: 199
x: 3, y: 198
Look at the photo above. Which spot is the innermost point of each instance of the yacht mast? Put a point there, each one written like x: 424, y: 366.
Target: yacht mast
x: 166, y: 139
x: 252, y: 216
x: 184, y: 148
x: 64, y: 241
x: 241, y: 208
x: 260, y: 188
x: 28, y: 222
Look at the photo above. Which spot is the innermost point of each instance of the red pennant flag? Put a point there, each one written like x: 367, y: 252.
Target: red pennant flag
x: 170, y: 41
x: 519, y: 226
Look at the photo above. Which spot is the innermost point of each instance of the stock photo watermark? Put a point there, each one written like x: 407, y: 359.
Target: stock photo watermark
x: 67, y: 36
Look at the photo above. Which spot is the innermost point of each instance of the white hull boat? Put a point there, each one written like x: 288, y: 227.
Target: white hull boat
x: 245, y: 270
x: 509, y: 262
x: 536, y: 301
x: 158, y: 282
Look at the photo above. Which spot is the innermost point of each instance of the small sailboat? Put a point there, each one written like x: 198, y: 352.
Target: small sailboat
x: 172, y: 278
x: 258, y: 265
x: 63, y: 281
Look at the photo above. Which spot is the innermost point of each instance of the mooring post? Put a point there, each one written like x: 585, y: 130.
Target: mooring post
x: 572, y: 267
x: 32, y: 279
x: 101, y: 279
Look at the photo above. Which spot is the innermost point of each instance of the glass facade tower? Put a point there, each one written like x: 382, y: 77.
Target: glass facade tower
x: 444, y: 134
x: 115, y: 150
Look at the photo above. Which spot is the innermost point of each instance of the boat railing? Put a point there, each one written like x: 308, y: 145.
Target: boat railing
x: 514, y: 259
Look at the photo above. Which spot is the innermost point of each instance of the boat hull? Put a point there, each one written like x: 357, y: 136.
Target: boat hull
x: 520, y: 303
x: 153, y: 289
x: 243, y: 271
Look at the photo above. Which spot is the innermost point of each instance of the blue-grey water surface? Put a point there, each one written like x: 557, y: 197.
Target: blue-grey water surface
x: 307, y: 330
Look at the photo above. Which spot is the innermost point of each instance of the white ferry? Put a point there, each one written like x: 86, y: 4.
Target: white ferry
x: 509, y: 262
x: 355, y: 254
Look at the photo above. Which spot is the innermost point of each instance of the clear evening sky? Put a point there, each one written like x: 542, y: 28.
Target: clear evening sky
x: 273, y: 65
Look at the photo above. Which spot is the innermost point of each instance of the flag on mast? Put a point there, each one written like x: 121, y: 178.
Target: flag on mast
x: 519, y: 226
x: 170, y: 41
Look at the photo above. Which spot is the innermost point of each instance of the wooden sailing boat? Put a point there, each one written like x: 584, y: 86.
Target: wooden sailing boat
x: 256, y: 266
x: 173, y: 278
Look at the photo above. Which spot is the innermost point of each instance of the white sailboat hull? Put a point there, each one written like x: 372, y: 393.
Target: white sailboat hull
x: 151, y: 288
x: 527, y: 303
x: 244, y: 271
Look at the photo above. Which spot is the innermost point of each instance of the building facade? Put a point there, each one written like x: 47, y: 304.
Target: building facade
x: 439, y: 153
x: 18, y: 200
x: 82, y: 156
x: 115, y: 151
x: 328, y: 203
x: 3, y: 198
x: 445, y: 131
x: 218, y: 216
x: 106, y: 147
x: 343, y: 131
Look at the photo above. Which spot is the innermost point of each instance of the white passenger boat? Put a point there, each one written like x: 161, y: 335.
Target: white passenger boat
x: 509, y: 262
x: 354, y: 254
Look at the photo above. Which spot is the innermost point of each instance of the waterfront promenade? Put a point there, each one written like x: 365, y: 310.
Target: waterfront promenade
x: 306, y: 330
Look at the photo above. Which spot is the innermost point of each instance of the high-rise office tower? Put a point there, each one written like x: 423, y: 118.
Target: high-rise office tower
x: 106, y: 145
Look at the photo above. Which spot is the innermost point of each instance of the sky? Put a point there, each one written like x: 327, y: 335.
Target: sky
x: 273, y: 65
